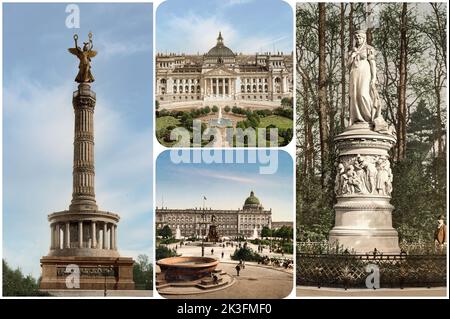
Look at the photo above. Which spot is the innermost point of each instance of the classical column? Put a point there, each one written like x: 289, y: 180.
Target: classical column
x: 58, y: 236
x: 80, y: 234
x: 217, y: 86
x: 94, y: 234
x: 115, y: 237
x: 67, y: 234
x: 111, y: 236
x: 105, y: 230
x: 52, y: 236
x: 83, y: 195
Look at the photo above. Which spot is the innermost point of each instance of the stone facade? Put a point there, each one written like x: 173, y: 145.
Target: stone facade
x: 83, y: 235
x: 222, y: 75
x: 230, y: 223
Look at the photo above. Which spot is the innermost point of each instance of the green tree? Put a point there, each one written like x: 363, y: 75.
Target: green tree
x: 165, y: 232
x: 143, y: 273
x: 164, y: 252
x: 246, y: 254
x: 287, y: 102
x: 16, y: 284
x: 215, y: 109
x: 266, y: 232
x: 227, y: 109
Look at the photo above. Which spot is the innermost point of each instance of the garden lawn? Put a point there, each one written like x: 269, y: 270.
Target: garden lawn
x: 279, y: 121
x: 166, y: 121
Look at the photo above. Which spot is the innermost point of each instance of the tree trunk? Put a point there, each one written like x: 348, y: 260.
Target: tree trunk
x: 401, y: 113
x: 308, y: 143
x: 343, y: 70
x: 350, y: 31
x: 369, y: 22
x: 322, y: 99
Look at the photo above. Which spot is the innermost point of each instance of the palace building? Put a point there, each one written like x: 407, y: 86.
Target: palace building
x: 230, y: 223
x: 222, y: 75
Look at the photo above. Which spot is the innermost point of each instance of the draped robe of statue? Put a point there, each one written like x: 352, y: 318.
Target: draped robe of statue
x: 363, y: 96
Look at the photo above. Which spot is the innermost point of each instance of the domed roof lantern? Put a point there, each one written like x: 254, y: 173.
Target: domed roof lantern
x: 219, y: 38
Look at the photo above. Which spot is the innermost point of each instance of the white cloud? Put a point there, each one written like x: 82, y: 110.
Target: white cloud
x: 194, y: 34
x: 110, y: 48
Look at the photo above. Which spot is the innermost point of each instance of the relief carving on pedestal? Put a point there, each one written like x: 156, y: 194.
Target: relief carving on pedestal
x: 363, y: 175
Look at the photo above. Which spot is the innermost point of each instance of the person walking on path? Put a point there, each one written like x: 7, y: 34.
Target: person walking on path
x: 238, y: 269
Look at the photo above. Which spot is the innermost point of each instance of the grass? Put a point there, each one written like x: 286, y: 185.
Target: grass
x: 278, y: 121
x: 166, y: 121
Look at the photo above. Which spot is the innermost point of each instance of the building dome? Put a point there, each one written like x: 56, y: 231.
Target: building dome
x: 252, y: 199
x: 252, y: 202
x: 220, y: 50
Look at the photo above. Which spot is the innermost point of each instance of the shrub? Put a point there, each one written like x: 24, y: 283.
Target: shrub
x: 246, y: 254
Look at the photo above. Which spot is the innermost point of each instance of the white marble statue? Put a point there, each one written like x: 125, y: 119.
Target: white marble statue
x: 365, y: 105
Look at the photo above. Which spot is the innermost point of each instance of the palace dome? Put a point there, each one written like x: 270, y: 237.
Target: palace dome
x: 252, y: 200
x: 220, y: 50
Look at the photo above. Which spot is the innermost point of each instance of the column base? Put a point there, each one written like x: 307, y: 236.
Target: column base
x: 362, y: 241
x: 94, y: 273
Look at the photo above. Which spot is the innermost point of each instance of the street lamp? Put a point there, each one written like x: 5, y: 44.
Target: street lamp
x: 204, y: 224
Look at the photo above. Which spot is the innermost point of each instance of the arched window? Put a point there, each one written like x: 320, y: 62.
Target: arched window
x: 174, y: 89
x: 248, y: 89
x: 163, y: 81
x: 242, y: 88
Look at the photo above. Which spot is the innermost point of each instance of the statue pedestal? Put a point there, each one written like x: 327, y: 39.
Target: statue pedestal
x: 93, y: 273
x: 363, y: 189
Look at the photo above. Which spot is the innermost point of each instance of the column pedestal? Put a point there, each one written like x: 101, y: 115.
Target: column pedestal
x: 363, y: 188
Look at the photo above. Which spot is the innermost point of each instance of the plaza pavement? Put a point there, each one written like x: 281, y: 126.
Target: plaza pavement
x: 255, y: 281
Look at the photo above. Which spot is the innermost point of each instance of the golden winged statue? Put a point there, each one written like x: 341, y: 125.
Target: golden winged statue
x: 84, y: 74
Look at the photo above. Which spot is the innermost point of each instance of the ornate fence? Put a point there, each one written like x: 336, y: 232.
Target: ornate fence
x: 331, y: 267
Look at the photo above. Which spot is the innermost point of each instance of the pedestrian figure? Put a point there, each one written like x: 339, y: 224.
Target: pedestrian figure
x: 222, y: 254
x: 238, y: 269
x: 212, y: 251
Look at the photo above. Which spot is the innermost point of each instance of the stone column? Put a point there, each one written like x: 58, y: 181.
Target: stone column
x: 115, y: 237
x: 105, y: 230
x: 80, y: 234
x: 94, y: 234
x: 111, y: 236
x: 67, y: 234
x: 58, y: 236
x: 83, y: 195
x: 217, y: 86
x: 52, y: 236
x: 363, y: 211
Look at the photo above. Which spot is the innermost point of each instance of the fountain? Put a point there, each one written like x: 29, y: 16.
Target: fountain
x: 197, y: 273
x: 220, y: 121
x: 186, y: 268
x: 255, y: 234
x: 178, y: 233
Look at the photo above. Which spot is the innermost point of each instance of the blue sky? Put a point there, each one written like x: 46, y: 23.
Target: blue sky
x: 247, y: 26
x: 38, y: 80
x: 226, y: 186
